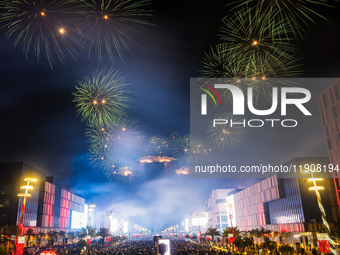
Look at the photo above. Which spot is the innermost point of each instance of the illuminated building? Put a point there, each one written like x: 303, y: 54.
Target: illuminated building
x: 217, y: 208
x: 329, y: 105
x: 12, y: 175
x: 48, y: 208
x: 285, y: 204
x: 57, y: 204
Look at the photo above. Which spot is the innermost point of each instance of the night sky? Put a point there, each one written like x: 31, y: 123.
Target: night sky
x: 40, y: 126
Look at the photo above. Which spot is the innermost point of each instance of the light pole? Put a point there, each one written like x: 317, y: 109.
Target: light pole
x: 316, y: 188
x: 207, y: 216
x: 228, y: 211
x: 24, y: 195
x: 190, y: 227
x: 199, y: 227
x: 183, y: 229
x: 91, y: 210
x: 110, y: 219
x: 120, y: 227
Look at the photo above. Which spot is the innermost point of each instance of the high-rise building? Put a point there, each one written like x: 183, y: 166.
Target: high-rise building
x: 286, y: 203
x: 329, y: 105
x: 12, y: 176
x: 216, y: 206
x: 49, y: 207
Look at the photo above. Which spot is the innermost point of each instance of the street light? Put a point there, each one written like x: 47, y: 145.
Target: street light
x: 316, y: 188
x: 228, y: 208
x: 199, y: 226
x: 207, y: 216
x: 110, y: 219
x: 24, y: 195
x: 91, y: 210
x: 120, y: 227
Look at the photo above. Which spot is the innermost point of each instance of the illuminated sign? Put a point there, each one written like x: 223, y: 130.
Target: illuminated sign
x: 21, y: 239
x: 114, y: 225
x: 186, y: 225
x: 199, y: 221
x: 48, y: 253
x: 78, y: 220
x: 167, y: 244
x: 125, y: 226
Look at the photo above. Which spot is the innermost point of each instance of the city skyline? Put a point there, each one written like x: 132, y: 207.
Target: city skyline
x: 40, y: 125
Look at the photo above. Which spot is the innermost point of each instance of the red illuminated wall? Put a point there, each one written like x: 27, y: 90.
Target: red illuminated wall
x: 47, y: 213
x: 65, y: 206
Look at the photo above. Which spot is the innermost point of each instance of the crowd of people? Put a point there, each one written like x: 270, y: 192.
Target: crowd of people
x: 135, y: 247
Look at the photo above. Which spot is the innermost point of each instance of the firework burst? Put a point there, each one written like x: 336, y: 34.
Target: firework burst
x: 110, y: 24
x: 102, y: 98
x: 158, y: 145
x: 218, y: 63
x: 225, y: 67
x: 190, y: 148
x: 249, y: 37
x: 44, y: 27
x: 117, y: 140
x: 106, y: 165
x: 126, y: 171
x: 291, y: 15
x: 226, y: 137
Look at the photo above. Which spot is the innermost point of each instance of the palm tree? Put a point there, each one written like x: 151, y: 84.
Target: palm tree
x: 212, y: 232
x: 264, y: 233
x: 255, y: 232
x: 88, y: 231
x: 29, y: 233
x: 104, y: 232
x: 233, y: 231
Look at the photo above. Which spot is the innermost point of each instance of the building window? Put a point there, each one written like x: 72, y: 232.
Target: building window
x: 323, y: 119
x: 220, y: 201
x: 336, y: 125
x: 324, y: 101
x: 329, y: 144
x: 330, y: 92
x: 334, y: 112
x: 222, y: 219
x: 327, y: 131
x: 336, y: 92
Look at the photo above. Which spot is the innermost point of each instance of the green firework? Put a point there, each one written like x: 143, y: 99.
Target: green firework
x: 43, y: 27
x: 249, y: 37
x: 227, y: 137
x: 190, y: 148
x: 115, y: 140
x: 110, y: 25
x: 102, y: 98
x: 291, y: 15
x: 228, y: 67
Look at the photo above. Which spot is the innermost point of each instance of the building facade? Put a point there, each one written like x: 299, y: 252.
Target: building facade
x: 216, y: 206
x: 284, y: 203
x: 48, y: 208
x: 329, y: 105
